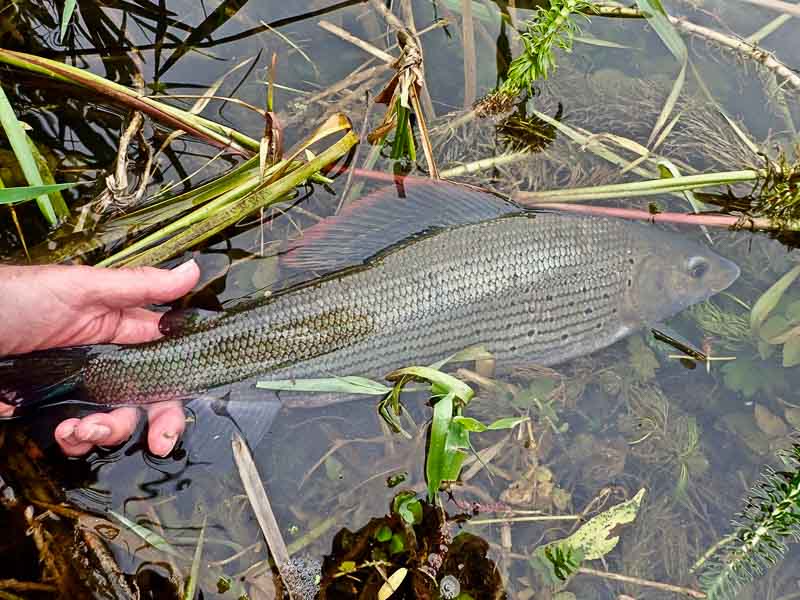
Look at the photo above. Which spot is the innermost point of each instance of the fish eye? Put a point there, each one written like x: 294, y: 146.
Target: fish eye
x: 698, y: 267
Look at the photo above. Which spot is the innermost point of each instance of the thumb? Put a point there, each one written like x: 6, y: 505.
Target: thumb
x: 139, y: 286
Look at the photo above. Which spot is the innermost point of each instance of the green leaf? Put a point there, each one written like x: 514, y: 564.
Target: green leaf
x: 407, y: 506
x: 446, y: 383
x: 347, y: 566
x: 657, y: 17
x: 384, y: 534
x: 773, y: 327
x: 66, y: 16
x: 792, y: 311
x: 748, y: 376
x: 397, y: 544
x: 150, y: 537
x: 791, y: 352
x: 470, y: 424
x: 473, y: 353
x: 593, y: 540
x: 506, y: 423
x: 769, y: 299
x: 595, y: 537
x: 557, y: 562
x: 350, y: 384
x: 19, y: 144
x: 22, y: 194
x: 436, y: 459
x: 191, y: 582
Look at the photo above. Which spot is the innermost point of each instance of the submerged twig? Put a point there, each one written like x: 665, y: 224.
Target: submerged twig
x: 667, y: 587
x: 262, y: 508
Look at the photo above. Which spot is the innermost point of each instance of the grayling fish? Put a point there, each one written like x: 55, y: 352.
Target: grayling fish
x: 446, y: 268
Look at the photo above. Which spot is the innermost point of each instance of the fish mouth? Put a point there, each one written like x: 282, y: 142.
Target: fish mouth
x: 728, y: 272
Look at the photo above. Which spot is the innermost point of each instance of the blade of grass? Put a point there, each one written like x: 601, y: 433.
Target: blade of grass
x: 177, y: 118
x: 66, y: 17
x: 638, y: 188
x: 191, y: 584
x: 13, y: 195
x: 149, y: 537
x: 659, y: 20
x: 19, y: 144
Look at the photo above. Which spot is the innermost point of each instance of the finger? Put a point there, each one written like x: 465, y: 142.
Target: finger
x: 65, y: 438
x: 128, y: 288
x: 136, y: 326
x: 6, y: 410
x: 108, y: 429
x: 166, y: 422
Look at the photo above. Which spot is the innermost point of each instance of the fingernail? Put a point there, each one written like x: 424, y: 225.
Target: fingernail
x: 186, y: 267
x: 170, y: 437
x: 97, y: 433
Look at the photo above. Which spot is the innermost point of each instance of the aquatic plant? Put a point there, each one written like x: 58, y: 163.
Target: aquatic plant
x: 450, y: 429
x: 549, y: 28
x: 770, y: 519
x: 50, y: 203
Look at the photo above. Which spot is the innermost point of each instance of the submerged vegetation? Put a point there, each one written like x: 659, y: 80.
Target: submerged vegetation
x: 105, y: 161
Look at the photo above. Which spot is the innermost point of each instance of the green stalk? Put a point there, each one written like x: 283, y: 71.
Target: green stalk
x: 649, y: 187
x: 222, y: 219
x: 19, y: 144
x: 219, y: 135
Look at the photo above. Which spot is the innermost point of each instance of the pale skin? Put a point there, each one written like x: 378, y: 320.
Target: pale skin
x: 58, y: 306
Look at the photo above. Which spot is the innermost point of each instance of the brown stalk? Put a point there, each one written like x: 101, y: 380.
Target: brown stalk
x: 405, y: 87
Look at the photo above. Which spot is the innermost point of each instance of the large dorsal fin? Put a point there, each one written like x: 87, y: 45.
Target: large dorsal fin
x: 384, y: 218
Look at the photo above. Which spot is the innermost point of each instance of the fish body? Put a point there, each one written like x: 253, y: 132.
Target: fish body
x: 531, y: 287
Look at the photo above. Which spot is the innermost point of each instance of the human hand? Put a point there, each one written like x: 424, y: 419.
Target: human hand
x: 57, y: 306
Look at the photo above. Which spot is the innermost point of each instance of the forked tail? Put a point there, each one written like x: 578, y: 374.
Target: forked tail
x: 38, y: 379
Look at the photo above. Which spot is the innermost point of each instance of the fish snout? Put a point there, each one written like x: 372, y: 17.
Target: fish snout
x: 727, y: 272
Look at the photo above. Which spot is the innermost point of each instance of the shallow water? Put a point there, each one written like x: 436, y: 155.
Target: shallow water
x: 604, y: 426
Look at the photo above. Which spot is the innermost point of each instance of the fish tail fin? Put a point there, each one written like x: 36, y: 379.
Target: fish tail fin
x: 34, y: 380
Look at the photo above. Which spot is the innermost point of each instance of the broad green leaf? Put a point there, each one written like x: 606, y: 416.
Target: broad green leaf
x: 22, y: 194
x: 769, y: 299
x: 436, y: 460
x: 791, y: 352
x: 18, y: 140
x: 350, y: 384
x: 595, y: 538
x: 66, y: 16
